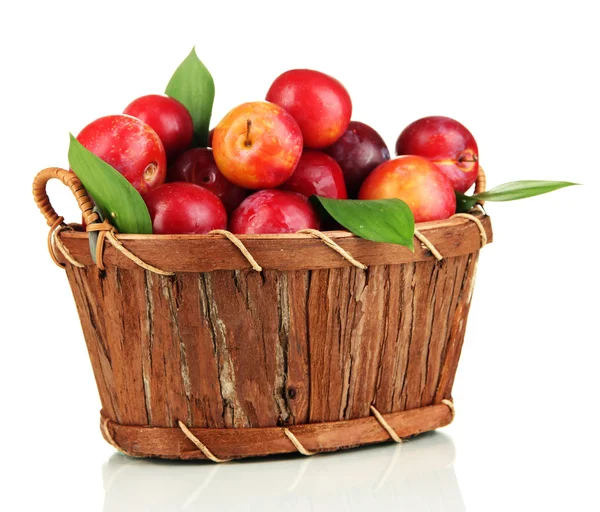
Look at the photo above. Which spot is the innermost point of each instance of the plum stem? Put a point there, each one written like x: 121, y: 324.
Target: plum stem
x: 248, y: 126
x: 465, y: 159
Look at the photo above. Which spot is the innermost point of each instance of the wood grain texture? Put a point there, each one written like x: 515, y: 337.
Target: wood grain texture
x: 234, y: 350
x: 247, y: 349
x: 205, y: 253
x: 171, y: 443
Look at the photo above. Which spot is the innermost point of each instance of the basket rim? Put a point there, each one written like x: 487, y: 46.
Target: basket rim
x: 206, y: 253
x: 334, y: 234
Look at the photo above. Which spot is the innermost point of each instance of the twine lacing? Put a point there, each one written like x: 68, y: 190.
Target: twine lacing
x: 330, y: 243
x: 386, y: 425
x: 63, y: 248
x: 54, y: 242
x: 107, y: 231
x: 450, y: 405
x: 297, y: 443
x: 108, y: 436
x: 425, y: 241
x: 392, y: 433
x: 199, y: 444
x: 204, y: 449
x: 482, y: 233
x: 238, y: 243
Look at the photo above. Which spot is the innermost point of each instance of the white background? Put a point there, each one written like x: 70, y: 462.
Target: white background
x: 522, y: 76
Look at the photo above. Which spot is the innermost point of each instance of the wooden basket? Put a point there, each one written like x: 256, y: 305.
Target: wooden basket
x: 310, y: 354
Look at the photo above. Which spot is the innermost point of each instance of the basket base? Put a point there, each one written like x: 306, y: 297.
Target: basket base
x: 235, y: 443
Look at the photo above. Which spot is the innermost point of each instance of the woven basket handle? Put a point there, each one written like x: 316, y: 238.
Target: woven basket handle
x: 480, y: 183
x: 70, y: 180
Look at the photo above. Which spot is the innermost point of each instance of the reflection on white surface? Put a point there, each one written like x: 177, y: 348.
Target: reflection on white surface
x: 416, y: 475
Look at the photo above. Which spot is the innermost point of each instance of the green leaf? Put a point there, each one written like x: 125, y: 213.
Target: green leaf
x: 510, y: 192
x: 521, y: 189
x: 118, y: 200
x: 193, y: 86
x: 464, y: 203
x: 382, y: 220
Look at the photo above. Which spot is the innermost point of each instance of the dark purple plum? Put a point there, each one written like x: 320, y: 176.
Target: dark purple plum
x: 198, y: 166
x: 358, y: 151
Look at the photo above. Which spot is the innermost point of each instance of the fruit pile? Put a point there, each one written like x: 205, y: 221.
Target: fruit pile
x: 256, y: 170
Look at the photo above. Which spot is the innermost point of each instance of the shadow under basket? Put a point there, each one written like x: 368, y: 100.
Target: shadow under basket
x: 312, y: 353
